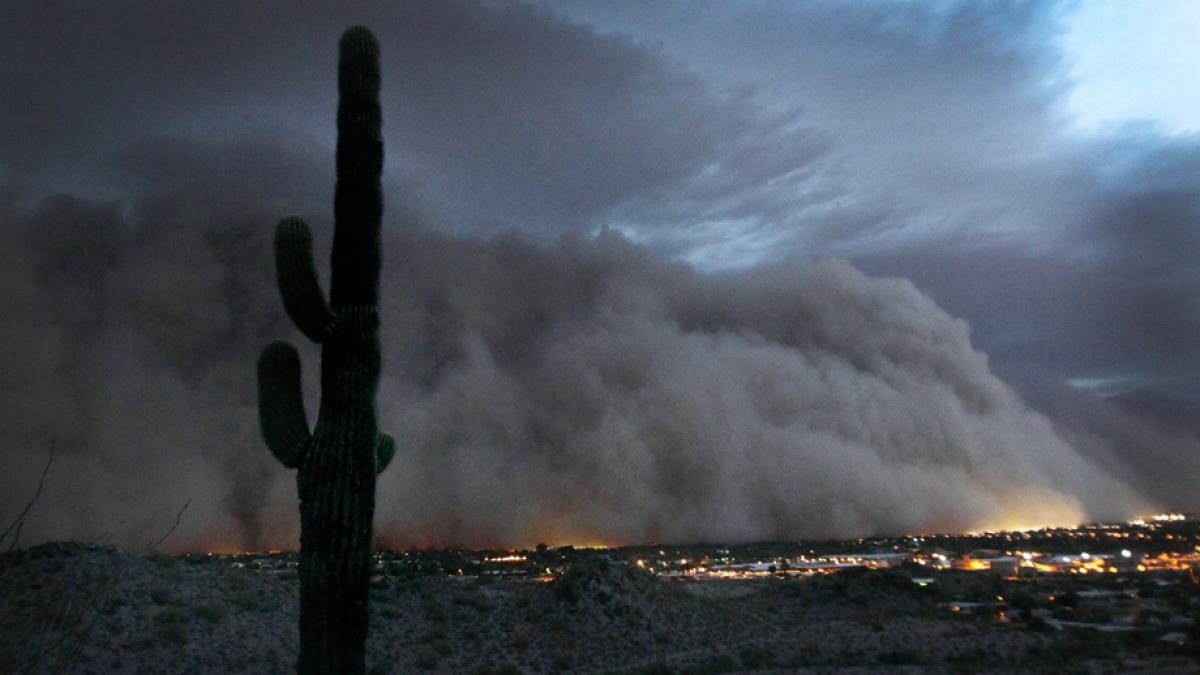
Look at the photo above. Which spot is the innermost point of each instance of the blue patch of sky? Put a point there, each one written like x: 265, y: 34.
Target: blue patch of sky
x: 1134, y: 62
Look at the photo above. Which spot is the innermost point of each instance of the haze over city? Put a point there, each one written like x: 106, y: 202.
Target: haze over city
x: 658, y: 272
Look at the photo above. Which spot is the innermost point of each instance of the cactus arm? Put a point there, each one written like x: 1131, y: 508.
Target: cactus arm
x: 281, y: 405
x: 358, y: 197
x: 298, y: 285
x: 385, y: 449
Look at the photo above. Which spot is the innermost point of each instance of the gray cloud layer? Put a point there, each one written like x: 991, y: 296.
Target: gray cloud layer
x: 576, y: 388
x: 606, y: 396
x: 582, y: 392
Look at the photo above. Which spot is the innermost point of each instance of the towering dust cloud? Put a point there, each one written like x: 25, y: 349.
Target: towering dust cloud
x: 590, y: 393
x: 585, y: 390
x: 580, y: 392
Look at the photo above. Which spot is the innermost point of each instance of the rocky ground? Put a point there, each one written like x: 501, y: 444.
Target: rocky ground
x: 70, y: 608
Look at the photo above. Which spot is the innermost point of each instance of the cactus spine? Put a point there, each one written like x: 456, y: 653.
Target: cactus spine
x: 339, y: 460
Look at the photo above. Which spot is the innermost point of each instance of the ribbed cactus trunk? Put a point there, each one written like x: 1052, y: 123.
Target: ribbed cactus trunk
x: 337, y: 463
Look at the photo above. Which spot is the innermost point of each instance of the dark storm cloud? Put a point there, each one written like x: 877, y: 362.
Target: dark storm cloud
x: 953, y: 163
x: 937, y: 115
x: 583, y: 387
x: 1111, y: 292
x: 1106, y: 429
x: 499, y: 117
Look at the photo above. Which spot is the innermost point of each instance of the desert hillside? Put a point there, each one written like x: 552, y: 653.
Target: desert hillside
x: 74, y: 608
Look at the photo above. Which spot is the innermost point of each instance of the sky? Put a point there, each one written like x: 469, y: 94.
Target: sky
x: 653, y: 271
x: 1129, y: 63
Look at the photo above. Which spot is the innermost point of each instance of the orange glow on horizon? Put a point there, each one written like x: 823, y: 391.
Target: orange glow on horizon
x: 1046, y: 510
x: 550, y: 536
x: 218, y: 547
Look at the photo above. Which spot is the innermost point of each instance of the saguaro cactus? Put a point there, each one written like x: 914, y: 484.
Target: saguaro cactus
x: 338, y: 461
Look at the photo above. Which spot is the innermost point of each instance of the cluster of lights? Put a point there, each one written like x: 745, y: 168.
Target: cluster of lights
x: 1142, y: 533
x: 1169, y: 517
x: 1159, y: 518
x: 506, y: 559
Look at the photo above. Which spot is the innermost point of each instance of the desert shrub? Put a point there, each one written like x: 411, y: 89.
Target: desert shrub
x: 1094, y: 614
x: 161, y: 560
x: 238, y: 578
x: 427, y: 659
x: 1038, y: 624
x: 211, y: 612
x: 173, y: 631
x: 655, y: 669
x: 890, y: 579
x: 971, y: 658
x: 801, y: 659
x: 756, y: 657
x: 1022, y: 600
x: 721, y: 663
x: 246, y: 601
x: 434, y: 612
x: 475, y: 601
x: 161, y: 595
x: 575, y: 578
x: 171, y: 615
x: 839, y: 585
x: 788, y: 588
x: 114, y: 604
x: 390, y: 612
x: 900, y: 657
